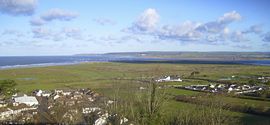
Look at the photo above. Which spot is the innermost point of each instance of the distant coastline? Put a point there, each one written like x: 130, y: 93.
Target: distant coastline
x: 35, y: 65
x: 199, y: 55
x: 44, y: 61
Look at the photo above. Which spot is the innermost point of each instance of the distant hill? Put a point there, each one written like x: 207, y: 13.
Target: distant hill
x: 195, y: 55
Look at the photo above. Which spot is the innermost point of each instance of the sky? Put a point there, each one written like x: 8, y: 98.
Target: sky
x: 66, y: 27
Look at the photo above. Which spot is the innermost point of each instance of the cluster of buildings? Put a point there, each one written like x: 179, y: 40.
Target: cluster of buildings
x: 226, y: 88
x: 45, y: 106
x: 264, y: 79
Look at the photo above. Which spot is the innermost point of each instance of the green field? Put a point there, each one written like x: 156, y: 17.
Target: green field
x: 126, y: 78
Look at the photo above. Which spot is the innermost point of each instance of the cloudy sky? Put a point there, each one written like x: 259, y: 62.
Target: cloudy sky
x: 63, y: 27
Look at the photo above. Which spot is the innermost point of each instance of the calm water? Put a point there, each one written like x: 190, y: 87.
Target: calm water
x: 34, y: 61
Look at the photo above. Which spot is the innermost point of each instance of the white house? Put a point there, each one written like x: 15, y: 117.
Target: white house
x: 39, y: 93
x: 28, y: 100
x: 221, y: 86
x: 261, y: 78
x: 230, y: 89
x: 66, y: 93
x: 90, y: 110
x: 43, y: 93
x: 46, y: 94
x: 56, y: 96
x: 169, y: 79
x: 212, y: 86
x: 245, y: 87
x: 58, y: 91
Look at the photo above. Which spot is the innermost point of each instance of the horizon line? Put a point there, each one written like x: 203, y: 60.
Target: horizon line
x: 139, y: 52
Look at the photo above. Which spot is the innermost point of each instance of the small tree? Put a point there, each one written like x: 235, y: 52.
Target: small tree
x: 148, y: 106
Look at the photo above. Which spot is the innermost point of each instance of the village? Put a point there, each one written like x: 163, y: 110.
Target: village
x: 226, y: 88
x: 58, y: 106
x: 219, y: 87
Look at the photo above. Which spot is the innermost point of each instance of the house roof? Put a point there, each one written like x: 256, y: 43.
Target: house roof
x: 171, y: 77
x: 24, y: 99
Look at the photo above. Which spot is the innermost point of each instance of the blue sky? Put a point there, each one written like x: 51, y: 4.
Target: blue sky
x: 61, y: 27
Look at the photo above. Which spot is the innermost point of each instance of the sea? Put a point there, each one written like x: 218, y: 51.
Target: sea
x: 8, y: 62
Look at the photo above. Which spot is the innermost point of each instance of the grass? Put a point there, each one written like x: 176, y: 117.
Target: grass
x: 247, y: 102
x: 173, y: 107
x: 125, y: 78
x: 174, y: 91
x: 95, y: 74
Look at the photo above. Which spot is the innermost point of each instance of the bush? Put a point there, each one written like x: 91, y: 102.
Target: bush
x: 7, y: 87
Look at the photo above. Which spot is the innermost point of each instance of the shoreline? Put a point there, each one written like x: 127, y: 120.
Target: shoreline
x: 174, y: 61
x: 44, y: 65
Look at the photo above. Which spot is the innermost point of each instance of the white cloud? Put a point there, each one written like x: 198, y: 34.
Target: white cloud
x: 211, y: 27
x: 13, y: 32
x: 18, y: 7
x: 257, y: 29
x: 214, y: 32
x: 220, y: 24
x: 266, y: 37
x: 132, y: 38
x: 238, y: 36
x: 225, y: 34
x: 148, y: 19
x: 41, y: 32
x: 226, y: 31
x: 74, y: 33
x: 58, y: 35
x: 47, y: 34
x: 185, y: 31
x: 53, y: 14
x: 37, y: 22
x: 59, y: 14
x: 230, y: 17
x: 146, y: 22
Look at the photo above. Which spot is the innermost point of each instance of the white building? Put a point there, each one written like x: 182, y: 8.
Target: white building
x: 46, y: 94
x: 261, y: 78
x: 43, y: 93
x: 66, y: 93
x: 90, y: 110
x: 169, y: 79
x: 58, y: 91
x: 212, y: 86
x: 7, y: 114
x: 39, y: 93
x: 28, y: 100
x: 56, y: 96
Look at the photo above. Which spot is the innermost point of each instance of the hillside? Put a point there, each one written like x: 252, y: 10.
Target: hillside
x: 194, y: 55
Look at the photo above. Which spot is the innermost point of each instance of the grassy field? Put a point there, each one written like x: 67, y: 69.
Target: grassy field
x: 102, y: 75
x: 126, y: 78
